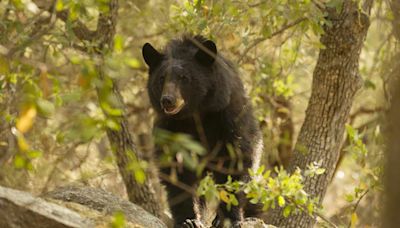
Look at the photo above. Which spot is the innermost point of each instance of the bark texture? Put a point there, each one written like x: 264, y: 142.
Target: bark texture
x: 21, y: 209
x: 286, y: 131
x: 7, y: 139
x: 391, y: 218
x: 336, y: 79
x: 105, y: 203
x: 149, y: 194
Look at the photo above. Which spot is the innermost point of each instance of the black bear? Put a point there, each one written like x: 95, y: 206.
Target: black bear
x: 196, y: 91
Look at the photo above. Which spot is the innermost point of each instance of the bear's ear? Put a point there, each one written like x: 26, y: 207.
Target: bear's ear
x: 151, y: 56
x: 207, y: 52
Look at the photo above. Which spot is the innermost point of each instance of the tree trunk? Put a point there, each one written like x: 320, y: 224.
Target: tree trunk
x: 391, y: 218
x: 336, y: 79
x: 143, y: 194
x: 149, y: 194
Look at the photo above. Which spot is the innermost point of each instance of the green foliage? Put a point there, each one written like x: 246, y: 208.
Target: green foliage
x: 208, y: 188
x: 314, y: 169
x: 278, y: 190
x: 179, y: 146
x: 369, y: 165
x: 356, y: 146
x: 49, y: 105
x: 137, y: 167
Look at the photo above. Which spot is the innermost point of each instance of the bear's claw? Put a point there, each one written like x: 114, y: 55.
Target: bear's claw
x: 192, y: 223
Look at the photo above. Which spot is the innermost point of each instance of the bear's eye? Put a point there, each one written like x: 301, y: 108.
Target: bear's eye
x: 162, y: 79
x: 183, y: 78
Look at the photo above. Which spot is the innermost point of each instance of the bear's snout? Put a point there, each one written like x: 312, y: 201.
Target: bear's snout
x: 171, y: 99
x: 168, y: 101
x: 171, y: 105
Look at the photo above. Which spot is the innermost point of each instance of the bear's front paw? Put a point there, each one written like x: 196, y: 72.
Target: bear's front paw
x: 192, y: 223
x: 216, y: 222
x: 237, y: 224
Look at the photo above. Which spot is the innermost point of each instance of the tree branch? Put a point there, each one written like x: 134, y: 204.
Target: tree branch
x: 80, y: 30
x: 358, y: 203
x: 262, y: 39
x: 36, y: 34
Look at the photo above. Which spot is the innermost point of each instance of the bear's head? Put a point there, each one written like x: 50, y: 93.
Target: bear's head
x: 184, y: 77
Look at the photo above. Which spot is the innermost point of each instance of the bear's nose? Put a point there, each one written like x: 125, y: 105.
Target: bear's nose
x: 167, y: 101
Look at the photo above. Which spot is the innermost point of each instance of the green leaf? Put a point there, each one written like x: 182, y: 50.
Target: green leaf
x: 224, y: 196
x: 260, y: 170
x: 18, y: 4
x: 110, y: 110
x: 350, y: 131
x: 286, y: 211
x: 4, y: 66
x: 45, y: 107
x: 337, y: 4
x: 140, y: 176
x: 354, y: 220
x: 118, y: 220
x: 368, y: 84
x: 132, y: 62
x: 19, y: 162
x: 195, y: 147
x: 189, y: 161
x: 233, y: 200
x: 59, y: 5
x: 254, y: 200
x: 34, y: 154
x: 310, y: 208
x: 281, y: 201
x: 319, y: 171
x: 112, y: 124
x: 349, y: 198
x: 266, y: 205
x: 118, y: 43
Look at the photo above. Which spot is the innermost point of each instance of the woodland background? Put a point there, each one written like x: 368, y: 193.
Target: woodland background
x: 62, y: 61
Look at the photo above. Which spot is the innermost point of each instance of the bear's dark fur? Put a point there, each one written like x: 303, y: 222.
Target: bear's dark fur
x: 196, y: 91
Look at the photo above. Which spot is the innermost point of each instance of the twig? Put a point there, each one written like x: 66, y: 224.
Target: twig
x: 261, y: 39
x: 178, y: 184
x: 151, y: 35
x: 319, y: 5
x: 323, y: 217
x: 356, y: 205
x: 257, y: 4
x: 69, y: 152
